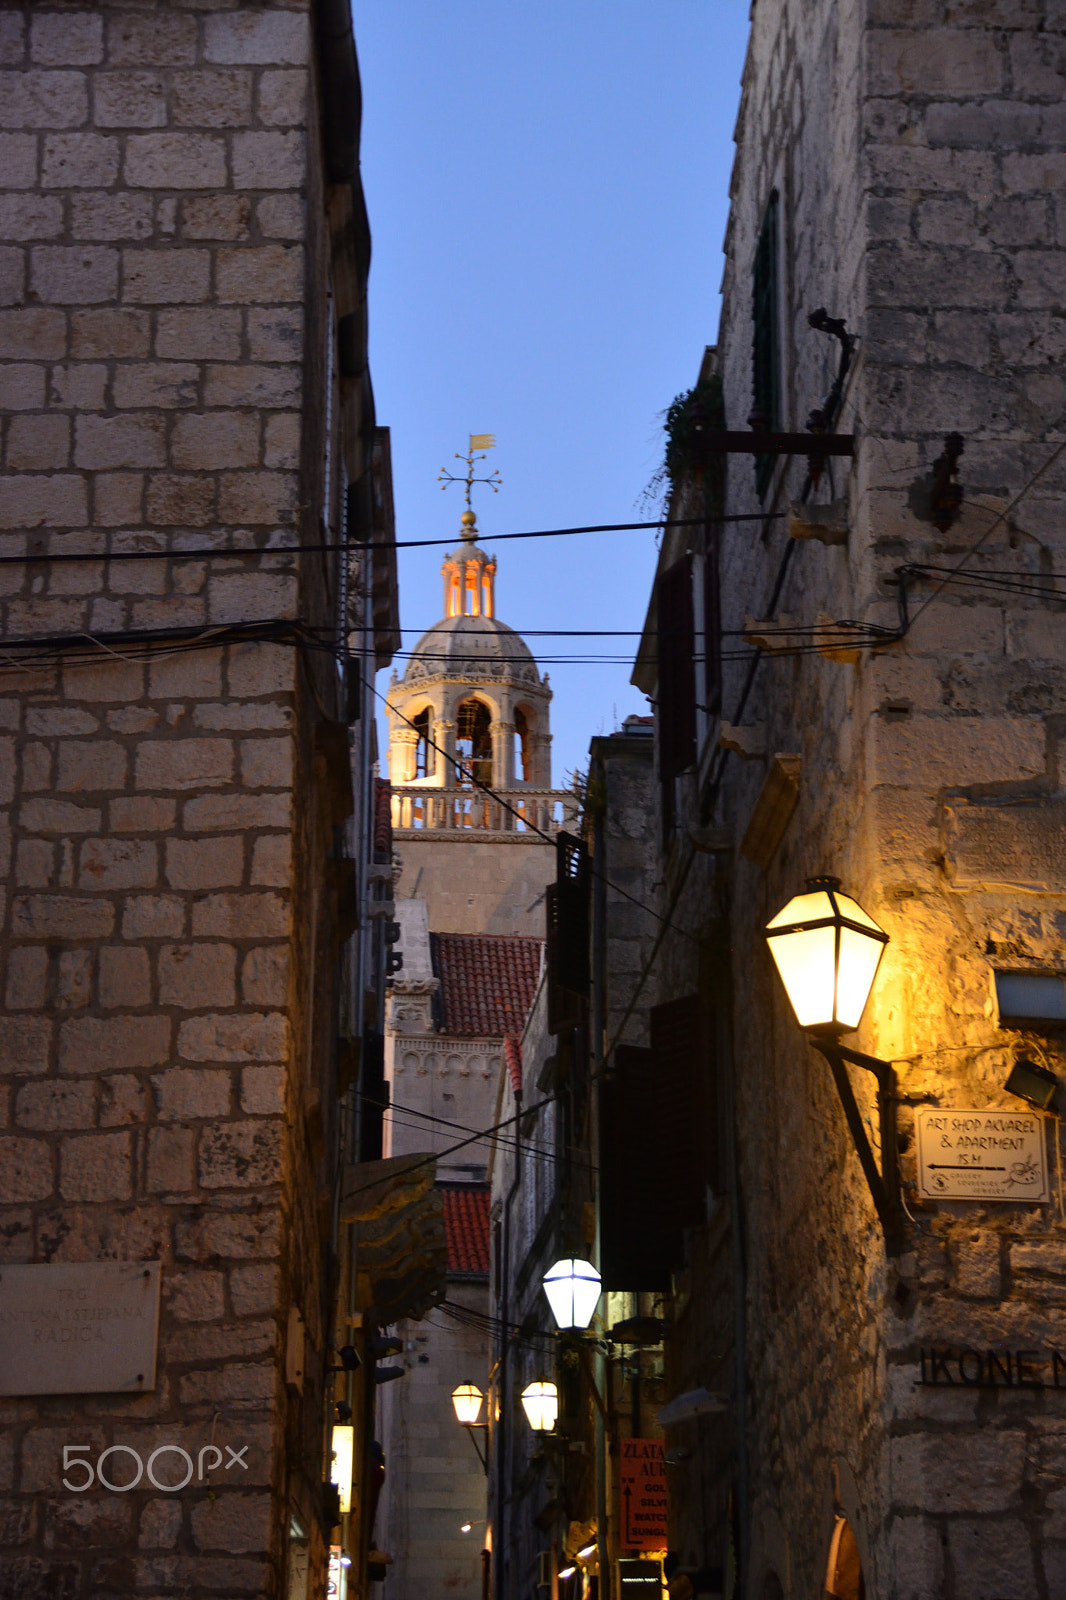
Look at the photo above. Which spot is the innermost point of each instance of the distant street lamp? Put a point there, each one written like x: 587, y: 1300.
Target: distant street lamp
x: 573, y: 1291
x: 540, y: 1402
x: 827, y: 950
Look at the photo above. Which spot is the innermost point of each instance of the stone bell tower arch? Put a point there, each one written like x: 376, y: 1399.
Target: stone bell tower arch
x: 470, y: 761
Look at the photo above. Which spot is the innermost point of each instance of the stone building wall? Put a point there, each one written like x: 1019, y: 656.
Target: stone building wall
x: 169, y: 940
x: 916, y: 152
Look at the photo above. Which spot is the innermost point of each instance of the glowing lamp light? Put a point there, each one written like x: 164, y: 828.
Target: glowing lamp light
x: 343, y: 1447
x: 467, y: 1400
x: 586, y: 1551
x: 540, y: 1402
x: 573, y: 1291
x: 827, y: 951
x: 567, y: 1572
x: 465, y: 1527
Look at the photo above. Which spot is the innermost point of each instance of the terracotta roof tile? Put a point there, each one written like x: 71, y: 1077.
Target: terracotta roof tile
x: 512, y: 1055
x: 487, y: 982
x: 466, y: 1229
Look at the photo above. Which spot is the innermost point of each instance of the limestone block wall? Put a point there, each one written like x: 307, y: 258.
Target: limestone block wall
x: 168, y: 954
x: 917, y: 153
x: 479, y: 887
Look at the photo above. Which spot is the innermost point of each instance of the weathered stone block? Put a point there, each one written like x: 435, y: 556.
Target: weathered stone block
x: 152, y: 916
x: 142, y: 814
x: 110, y: 333
x: 90, y: 765
x: 992, y: 1559
x: 66, y: 40
x: 263, y: 1091
x: 43, y: 99
x: 183, y: 764
x: 171, y: 1160
x: 193, y: 976
x: 254, y: 594
x: 47, y: 1107
x: 208, y: 334
x: 241, y: 1235
x: 206, y: 443
x: 137, y: 441
x: 37, y: 443
x: 275, y: 334
x: 92, y: 1044
x: 195, y: 1296
x: 122, y: 1101
x: 212, y: 99
x: 74, y: 274
x: 118, y: 864
x: 25, y: 1045
x: 215, y: 863
x: 265, y: 976
x: 74, y: 979
x: 258, y: 273
x: 242, y: 1037
x: 156, y: 383
x: 186, y: 1094
x: 266, y: 763
x: 165, y: 278
x: 27, y: 977
x: 175, y: 161
x: 96, y: 1167
x: 272, y: 861
x: 160, y: 1525
x: 43, y: 916
x: 18, y: 159
x: 226, y: 811
x: 217, y: 216
x: 129, y: 100
x: 258, y: 38
x: 79, y: 161
x: 939, y: 1473
x: 927, y: 752
x: 976, y: 1263
x: 30, y: 216
x: 124, y: 977
x: 57, y: 501
x: 117, y: 498
x: 252, y: 386
x: 234, y: 1385
x: 180, y: 501
x: 158, y: 39
x: 26, y: 1172
x: 238, y: 1155
x: 269, y: 160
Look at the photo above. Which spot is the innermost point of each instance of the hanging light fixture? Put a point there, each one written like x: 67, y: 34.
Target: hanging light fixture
x: 540, y: 1402
x: 573, y: 1291
x: 467, y: 1400
x: 827, y: 951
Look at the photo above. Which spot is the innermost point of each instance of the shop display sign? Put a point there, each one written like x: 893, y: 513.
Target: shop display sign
x: 982, y: 1155
x: 642, y: 1488
x: 86, y: 1327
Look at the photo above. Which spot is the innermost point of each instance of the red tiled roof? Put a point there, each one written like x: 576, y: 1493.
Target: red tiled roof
x: 466, y: 1229
x: 487, y: 982
x: 512, y: 1055
x: 382, y: 820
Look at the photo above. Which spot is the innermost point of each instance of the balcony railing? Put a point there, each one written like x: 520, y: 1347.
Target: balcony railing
x: 453, y: 810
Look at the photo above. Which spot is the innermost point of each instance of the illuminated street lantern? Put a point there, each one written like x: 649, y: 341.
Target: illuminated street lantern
x: 827, y: 951
x: 467, y: 1400
x: 573, y: 1291
x: 540, y: 1402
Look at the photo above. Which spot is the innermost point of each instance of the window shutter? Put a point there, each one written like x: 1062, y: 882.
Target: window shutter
x: 677, y: 680
x: 656, y: 1149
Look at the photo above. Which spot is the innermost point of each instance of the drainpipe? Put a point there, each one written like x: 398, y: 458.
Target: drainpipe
x: 503, y: 1426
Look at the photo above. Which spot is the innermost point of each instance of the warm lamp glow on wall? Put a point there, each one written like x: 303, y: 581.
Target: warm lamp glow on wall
x: 343, y: 1448
x: 467, y: 1399
x: 827, y: 950
x: 573, y: 1291
x: 540, y: 1402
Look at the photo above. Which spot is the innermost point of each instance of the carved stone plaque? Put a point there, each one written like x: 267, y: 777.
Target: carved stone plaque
x: 1022, y: 845
x: 79, y: 1328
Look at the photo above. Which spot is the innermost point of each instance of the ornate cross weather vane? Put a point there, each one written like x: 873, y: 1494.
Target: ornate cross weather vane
x: 479, y: 444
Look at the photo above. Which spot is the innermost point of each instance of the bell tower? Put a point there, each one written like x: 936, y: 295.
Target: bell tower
x: 474, y: 812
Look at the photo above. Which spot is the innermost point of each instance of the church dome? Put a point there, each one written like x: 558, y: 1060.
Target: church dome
x: 472, y: 647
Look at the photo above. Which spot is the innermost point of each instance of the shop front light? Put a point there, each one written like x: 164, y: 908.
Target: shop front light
x: 342, y: 1445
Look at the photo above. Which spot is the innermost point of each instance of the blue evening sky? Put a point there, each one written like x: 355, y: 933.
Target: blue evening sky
x: 547, y: 186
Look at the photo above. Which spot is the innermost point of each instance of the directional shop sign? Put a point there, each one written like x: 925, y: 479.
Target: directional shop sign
x: 642, y: 1487
x: 982, y: 1155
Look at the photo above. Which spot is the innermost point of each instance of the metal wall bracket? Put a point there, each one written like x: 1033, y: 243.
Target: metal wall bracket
x: 884, y: 1184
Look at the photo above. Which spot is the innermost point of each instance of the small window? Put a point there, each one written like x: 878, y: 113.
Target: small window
x: 423, y: 760
x: 766, y: 374
x: 473, y: 743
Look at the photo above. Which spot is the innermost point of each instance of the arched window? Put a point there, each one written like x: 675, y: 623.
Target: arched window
x: 423, y: 758
x: 843, y: 1576
x: 522, y: 754
x: 473, y: 742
